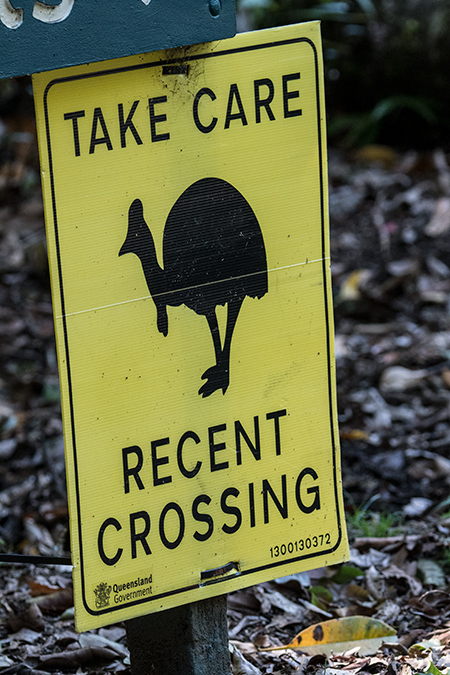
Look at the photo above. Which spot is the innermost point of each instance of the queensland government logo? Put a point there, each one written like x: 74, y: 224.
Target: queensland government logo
x: 102, y: 593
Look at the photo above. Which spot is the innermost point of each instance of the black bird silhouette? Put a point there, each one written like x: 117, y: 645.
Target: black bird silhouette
x: 214, y: 254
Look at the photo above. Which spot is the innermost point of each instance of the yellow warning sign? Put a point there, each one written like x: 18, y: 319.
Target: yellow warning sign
x: 186, y: 208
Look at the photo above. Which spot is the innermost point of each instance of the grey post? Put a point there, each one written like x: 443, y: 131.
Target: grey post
x: 187, y: 640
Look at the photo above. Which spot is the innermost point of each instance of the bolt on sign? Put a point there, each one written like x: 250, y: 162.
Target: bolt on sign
x: 186, y: 207
x: 42, y: 35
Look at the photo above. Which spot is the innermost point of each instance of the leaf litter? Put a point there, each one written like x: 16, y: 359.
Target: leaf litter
x: 390, y: 244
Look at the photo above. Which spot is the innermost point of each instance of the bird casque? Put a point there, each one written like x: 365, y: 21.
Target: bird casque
x: 213, y: 254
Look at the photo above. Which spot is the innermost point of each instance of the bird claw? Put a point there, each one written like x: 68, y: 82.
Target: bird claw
x: 217, y: 378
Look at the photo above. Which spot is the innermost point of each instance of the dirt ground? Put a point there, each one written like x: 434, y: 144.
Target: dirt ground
x: 390, y: 244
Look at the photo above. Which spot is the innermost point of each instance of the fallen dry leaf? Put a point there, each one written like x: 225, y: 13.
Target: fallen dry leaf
x: 74, y: 658
x: 31, y: 617
x: 240, y: 665
x: 351, y: 288
x: 37, y: 588
x: 55, y: 603
x: 440, y: 221
x: 338, y: 635
x: 432, y: 573
x: 399, y: 379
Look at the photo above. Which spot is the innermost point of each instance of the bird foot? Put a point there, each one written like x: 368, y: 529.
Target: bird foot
x: 217, y: 377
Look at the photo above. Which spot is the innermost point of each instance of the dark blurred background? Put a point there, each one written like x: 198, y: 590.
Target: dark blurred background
x: 387, y: 65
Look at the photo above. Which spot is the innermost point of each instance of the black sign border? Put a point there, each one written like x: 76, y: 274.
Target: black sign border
x: 327, y: 303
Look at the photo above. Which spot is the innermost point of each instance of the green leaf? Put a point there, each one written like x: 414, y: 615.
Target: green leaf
x: 320, y: 596
x: 347, y: 573
x: 322, y: 592
x: 433, y: 670
x: 395, y: 103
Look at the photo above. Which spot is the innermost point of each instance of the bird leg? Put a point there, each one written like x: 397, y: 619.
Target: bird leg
x: 162, y: 320
x: 234, y: 308
x: 218, y: 376
x: 212, y: 375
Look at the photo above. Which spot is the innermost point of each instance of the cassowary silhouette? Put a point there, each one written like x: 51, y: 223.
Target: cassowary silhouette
x: 214, y: 254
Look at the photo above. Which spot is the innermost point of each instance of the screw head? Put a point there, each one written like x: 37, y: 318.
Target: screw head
x: 214, y: 7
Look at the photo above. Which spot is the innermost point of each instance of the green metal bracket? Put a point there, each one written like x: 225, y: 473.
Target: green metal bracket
x: 38, y: 35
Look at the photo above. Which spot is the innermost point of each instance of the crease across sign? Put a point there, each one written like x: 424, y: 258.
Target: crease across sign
x: 149, y: 297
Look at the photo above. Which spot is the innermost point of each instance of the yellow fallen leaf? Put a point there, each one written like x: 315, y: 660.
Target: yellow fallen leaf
x: 353, y: 435
x: 377, y: 154
x: 343, y: 630
x: 350, y: 288
x: 338, y: 635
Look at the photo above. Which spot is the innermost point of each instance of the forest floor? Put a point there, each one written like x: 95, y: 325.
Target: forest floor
x: 390, y: 246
